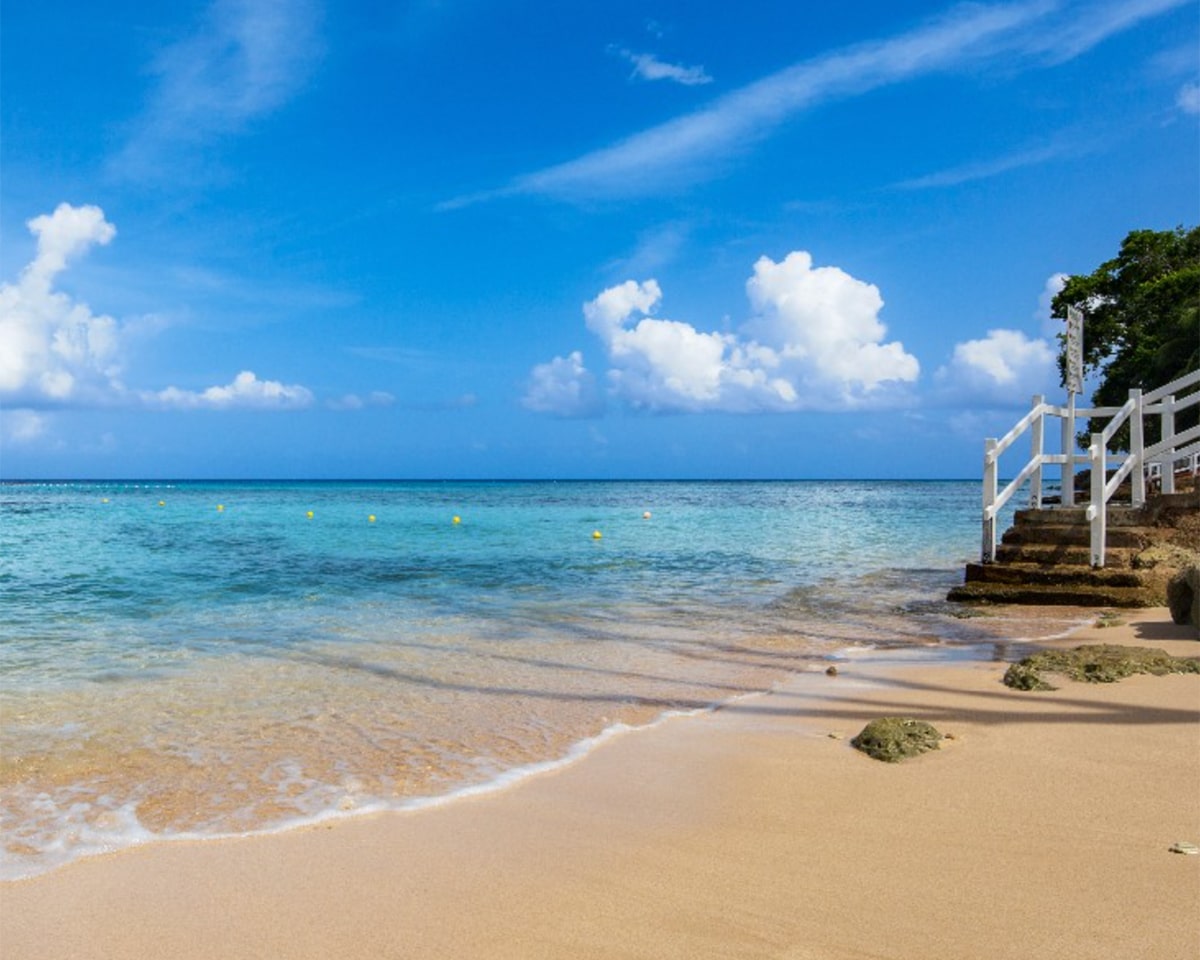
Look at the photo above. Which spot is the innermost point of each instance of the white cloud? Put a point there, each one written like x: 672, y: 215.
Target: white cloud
x: 985, y: 170
x: 563, y: 387
x: 825, y: 323
x: 815, y: 342
x: 1006, y: 368
x: 246, y: 390
x: 1188, y: 99
x: 1050, y: 325
x: 245, y: 59
x: 352, y: 401
x: 55, y: 348
x: 18, y: 426
x: 648, y: 67
x: 692, y: 146
x: 57, y: 352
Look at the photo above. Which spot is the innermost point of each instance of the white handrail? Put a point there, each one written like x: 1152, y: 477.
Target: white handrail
x: 1157, y: 460
x: 1180, y: 383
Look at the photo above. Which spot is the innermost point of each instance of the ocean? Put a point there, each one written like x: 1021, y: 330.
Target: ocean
x: 203, y: 659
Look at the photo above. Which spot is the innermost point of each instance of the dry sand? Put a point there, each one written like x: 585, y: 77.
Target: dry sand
x: 1041, y: 831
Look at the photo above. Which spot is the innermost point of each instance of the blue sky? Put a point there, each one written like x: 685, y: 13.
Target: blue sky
x: 460, y: 238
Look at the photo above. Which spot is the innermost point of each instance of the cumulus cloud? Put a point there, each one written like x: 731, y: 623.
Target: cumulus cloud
x: 563, y: 387
x: 825, y: 323
x: 815, y: 342
x: 1006, y: 368
x: 55, y: 348
x: 246, y: 390
x: 57, y: 352
x: 646, y: 66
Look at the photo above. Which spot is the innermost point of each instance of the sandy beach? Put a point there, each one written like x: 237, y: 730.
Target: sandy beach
x: 1041, y: 830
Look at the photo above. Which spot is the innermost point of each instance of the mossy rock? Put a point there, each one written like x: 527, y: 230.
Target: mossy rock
x: 893, y: 739
x: 1023, y: 676
x: 1182, y: 598
x: 1095, y: 663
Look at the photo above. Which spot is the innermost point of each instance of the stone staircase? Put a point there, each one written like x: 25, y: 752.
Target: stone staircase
x: 1044, y: 558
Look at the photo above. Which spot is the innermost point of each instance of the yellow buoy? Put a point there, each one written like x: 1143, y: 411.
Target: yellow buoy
x: 220, y: 508
x: 596, y: 534
x: 457, y: 520
x: 309, y: 514
x: 371, y: 518
x: 646, y: 515
x: 162, y: 503
x: 104, y: 500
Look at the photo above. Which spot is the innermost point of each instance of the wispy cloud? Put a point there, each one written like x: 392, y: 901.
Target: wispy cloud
x: 646, y: 66
x: 1084, y: 25
x: 245, y: 59
x: 987, y: 169
x: 695, y: 145
x: 1188, y: 98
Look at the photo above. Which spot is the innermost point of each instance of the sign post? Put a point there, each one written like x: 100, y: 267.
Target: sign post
x: 1074, y: 386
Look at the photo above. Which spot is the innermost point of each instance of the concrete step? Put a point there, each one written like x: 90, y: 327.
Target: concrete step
x: 1029, y: 573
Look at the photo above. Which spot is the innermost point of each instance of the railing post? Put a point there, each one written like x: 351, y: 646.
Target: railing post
x: 1036, y: 431
x: 1068, y: 449
x: 1137, y: 450
x: 1168, y: 433
x: 988, y: 552
x: 1098, y: 509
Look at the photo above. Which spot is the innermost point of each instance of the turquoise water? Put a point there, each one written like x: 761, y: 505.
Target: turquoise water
x: 201, y: 659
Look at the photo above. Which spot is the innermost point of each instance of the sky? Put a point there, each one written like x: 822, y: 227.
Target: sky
x: 483, y: 240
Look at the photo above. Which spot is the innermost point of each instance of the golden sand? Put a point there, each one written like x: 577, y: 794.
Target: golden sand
x: 1041, y: 830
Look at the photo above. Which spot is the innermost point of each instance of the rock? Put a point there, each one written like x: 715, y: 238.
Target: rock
x: 1025, y: 676
x: 893, y: 739
x: 1095, y: 663
x: 831, y: 671
x: 1183, y: 595
x: 1164, y: 555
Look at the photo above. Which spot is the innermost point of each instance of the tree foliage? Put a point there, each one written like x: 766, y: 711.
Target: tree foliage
x: 1142, y: 320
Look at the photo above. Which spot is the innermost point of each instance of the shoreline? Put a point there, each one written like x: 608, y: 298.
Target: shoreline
x: 747, y: 830
x: 133, y: 835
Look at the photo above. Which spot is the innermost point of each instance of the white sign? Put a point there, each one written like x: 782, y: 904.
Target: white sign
x: 1074, y: 350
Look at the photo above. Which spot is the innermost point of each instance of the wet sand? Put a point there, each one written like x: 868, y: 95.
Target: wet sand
x: 1042, y: 830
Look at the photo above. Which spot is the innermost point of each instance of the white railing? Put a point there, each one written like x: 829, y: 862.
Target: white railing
x: 1159, y: 462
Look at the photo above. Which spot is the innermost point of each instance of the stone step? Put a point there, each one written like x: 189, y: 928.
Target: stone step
x: 1118, y: 516
x: 1052, y: 554
x: 1029, y: 573
x: 1188, y: 500
x: 1078, y: 595
x: 1078, y: 536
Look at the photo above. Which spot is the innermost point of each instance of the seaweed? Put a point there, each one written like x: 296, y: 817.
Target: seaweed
x: 1095, y: 663
x: 892, y: 739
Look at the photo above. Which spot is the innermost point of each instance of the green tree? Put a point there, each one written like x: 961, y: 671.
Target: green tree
x: 1142, y: 321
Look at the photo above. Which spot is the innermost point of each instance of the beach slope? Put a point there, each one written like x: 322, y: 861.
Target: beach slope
x: 1041, y: 830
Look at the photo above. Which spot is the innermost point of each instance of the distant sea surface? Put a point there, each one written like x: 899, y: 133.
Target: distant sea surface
x: 201, y: 659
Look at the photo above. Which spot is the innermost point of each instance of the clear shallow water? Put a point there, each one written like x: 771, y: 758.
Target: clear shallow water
x: 190, y: 659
